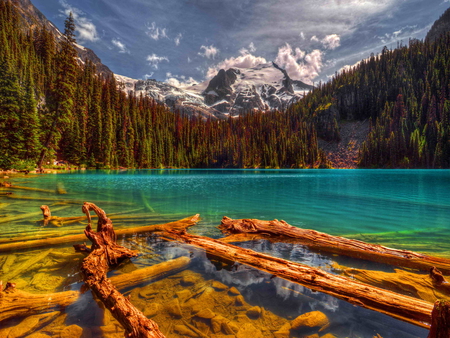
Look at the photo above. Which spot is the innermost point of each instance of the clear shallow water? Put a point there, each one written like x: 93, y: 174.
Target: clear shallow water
x: 402, y: 208
x: 339, y: 202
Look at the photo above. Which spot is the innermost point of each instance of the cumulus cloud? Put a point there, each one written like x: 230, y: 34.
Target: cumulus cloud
x: 314, y: 39
x: 120, y: 45
x: 298, y: 64
x: 242, y: 61
x: 148, y: 76
x: 331, y: 41
x: 210, y: 52
x: 84, y: 27
x: 155, y: 32
x: 302, y: 35
x: 180, y: 81
x: 178, y: 39
x: 154, y: 60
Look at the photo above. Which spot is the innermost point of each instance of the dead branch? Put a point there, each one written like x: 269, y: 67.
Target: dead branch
x: 107, y: 253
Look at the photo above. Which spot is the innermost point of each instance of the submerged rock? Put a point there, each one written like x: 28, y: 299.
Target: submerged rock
x: 248, y: 330
x: 254, y: 312
x: 206, y: 314
x: 184, y: 331
x: 174, y: 309
x: 233, y: 291
x: 72, y: 331
x: 219, y: 286
x: 310, y: 320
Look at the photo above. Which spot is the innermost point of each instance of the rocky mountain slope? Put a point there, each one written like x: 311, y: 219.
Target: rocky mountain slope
x: 440, y: 26
x: 35, y: 20
x: 230, y: 93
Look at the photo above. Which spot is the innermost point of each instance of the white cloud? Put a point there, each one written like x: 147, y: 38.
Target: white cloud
x: 314, y: 39
x: 178, y: 39
x: 148, y: 76
x: 120, y: 45
x: 348, y: 67
x: 298, y: 64
x: 242, y: 61
x: 189, y: 60
x: 180, y: 81
x: 331, y: 41
x: 250, y: 49
x: 85, y: 28
x: 155, y: 32
x: 302, y: 35
x: 154, y: 60
x: 209, y: 52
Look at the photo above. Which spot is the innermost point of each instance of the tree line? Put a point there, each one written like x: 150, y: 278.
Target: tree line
x: 54, y: 106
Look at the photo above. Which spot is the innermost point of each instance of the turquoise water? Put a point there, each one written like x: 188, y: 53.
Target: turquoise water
x: 335, y: 201
x: 400, y: 208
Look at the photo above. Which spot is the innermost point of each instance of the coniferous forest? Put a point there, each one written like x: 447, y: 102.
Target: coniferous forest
x: 53, y: 106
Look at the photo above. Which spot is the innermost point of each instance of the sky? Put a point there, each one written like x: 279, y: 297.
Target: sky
x: 181, y: 41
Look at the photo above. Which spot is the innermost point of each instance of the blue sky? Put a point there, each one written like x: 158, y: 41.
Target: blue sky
x: 185, y: 40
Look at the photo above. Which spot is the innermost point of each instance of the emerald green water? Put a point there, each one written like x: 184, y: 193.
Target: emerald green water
x: 399, y: 208
x: 340, y: 202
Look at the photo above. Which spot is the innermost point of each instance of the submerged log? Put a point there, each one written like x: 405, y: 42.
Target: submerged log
x: 421, y: 286
x: 177, y: 225
x: 151, y: 273
x: 105, y: 254
x: 335, y: 244
x: 16, y: 303
x: 402, y: 307
x: 440, y: 325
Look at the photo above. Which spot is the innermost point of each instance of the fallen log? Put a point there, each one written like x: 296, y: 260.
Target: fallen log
x: 25, y: 216
x: 440, y: 325
x: 421, y: 286
x: 177, y: 225
x: 105, y: 254
x: 151, y: 273
x: 17, y: 303
x: 402, y: 307
x: 335, y: 244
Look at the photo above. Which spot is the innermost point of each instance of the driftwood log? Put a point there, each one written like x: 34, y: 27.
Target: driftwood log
x: 107, y: 253
x: 440, y: 325
x: 177, y: 225
x: 402, y: 307
x: 335, y: 244
x: 17, y: 303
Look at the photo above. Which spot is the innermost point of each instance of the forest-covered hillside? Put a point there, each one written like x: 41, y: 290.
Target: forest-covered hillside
x: 405, y: 93
x: 54, y: 106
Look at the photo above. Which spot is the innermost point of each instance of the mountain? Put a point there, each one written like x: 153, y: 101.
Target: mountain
x: 34, y: 19
x: 231, y: 92
x: 263, y: 87
x: 440, y: 26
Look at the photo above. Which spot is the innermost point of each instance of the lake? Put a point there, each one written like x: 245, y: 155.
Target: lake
x: 399, y: 208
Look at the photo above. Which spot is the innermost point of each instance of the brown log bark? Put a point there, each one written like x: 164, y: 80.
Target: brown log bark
x: 105, y: 254
x: 16, y: 303
x: 180, y: 224
x: 335, y: 244
x: 440, y: 324
x: 402, y: 307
